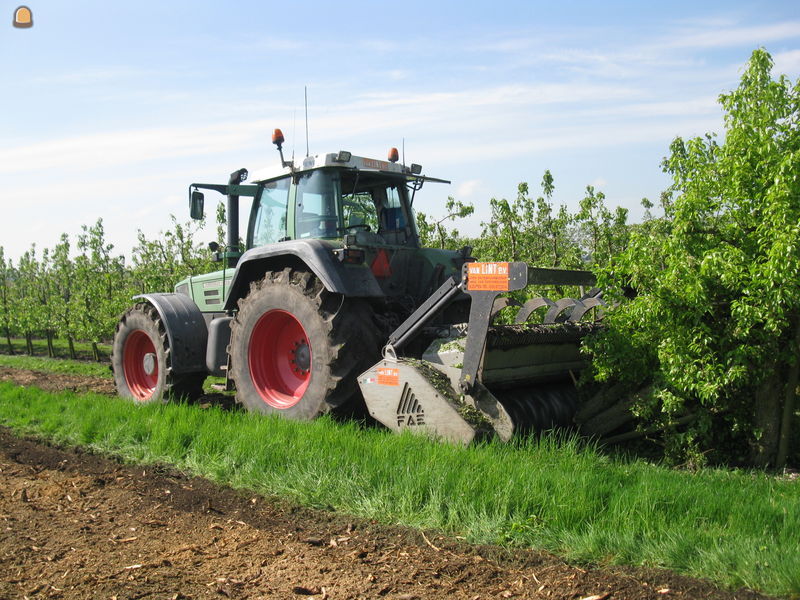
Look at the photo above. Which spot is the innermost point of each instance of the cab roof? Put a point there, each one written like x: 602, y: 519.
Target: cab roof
x: 341, y: 159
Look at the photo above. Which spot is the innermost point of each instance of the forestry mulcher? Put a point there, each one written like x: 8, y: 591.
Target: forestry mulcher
x: 334, y: 304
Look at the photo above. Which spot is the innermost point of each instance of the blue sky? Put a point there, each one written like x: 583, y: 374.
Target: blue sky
x: 111, y: 109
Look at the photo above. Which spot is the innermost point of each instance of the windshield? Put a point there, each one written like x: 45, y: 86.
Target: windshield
x: 327, y: 203
x: 268, y: 221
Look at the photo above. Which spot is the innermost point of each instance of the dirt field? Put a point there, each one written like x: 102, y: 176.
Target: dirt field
x: 77, y: 525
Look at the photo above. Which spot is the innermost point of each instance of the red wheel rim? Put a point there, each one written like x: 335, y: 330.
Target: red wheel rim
x: 140, y: 365
x: 280, y: 359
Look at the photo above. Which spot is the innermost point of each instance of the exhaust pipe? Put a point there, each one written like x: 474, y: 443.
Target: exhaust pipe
x: 232, y: 242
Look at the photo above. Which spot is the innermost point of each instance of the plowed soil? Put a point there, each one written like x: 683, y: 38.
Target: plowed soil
x: 77, y: 525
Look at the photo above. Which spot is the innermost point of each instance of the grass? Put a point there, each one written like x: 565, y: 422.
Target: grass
x: 82, y: 349
x: 56, y: 365
x: 735, y: 528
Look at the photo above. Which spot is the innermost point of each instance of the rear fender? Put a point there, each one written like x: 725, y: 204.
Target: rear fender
x: 312, y: 255
x: 186, y: 330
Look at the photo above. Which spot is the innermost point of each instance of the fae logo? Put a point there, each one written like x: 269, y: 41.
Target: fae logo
x: 409, y: 410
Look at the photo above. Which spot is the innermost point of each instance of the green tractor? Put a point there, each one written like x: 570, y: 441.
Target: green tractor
x: 334, y: 304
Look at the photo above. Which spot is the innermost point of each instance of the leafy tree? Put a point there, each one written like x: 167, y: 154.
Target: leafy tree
x: 434, y: 233
x: 44, y: 316
x: 64, y: 298
x: 24, y: 297
x: 531, y: 230
x: 716, y: 322
x: 602, y: 233
x: 158, y: 264
x: 101, y: 290
x: 7, y: 308
x: 501, y: 236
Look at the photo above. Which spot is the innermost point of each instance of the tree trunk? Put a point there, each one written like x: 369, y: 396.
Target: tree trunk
x: 8, y: 341
x: 602, y: 400
x: 51, y: 352
x: 29, y: 343
x: 615, y: 416
x: 71, y: 344
x: 789, y: 403
x: 766, y: 421
x: 96, y: 351
x: 640, y: 433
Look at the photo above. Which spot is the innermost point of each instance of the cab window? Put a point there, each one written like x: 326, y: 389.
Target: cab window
x: 268, y: 222
x: 317, y: 210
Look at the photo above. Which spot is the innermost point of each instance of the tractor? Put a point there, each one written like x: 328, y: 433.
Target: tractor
x: 335, y: 306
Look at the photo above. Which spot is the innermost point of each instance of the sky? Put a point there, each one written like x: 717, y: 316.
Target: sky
x: 110, y: 110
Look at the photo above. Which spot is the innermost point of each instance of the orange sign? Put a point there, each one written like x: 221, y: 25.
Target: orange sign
x: 388, y: 376
x: 488, y: 276
x: 371, y: 163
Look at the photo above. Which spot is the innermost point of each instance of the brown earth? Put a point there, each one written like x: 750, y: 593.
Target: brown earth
x: 58, y: 382
x: 77, y: 525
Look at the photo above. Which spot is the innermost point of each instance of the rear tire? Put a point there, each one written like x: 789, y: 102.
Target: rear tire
x: 140, y: 358
x: 296, y: 349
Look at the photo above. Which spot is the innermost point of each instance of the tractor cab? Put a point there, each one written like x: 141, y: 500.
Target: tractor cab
x: 335, y: 196
x: 344, y: 217
x: 332, y: 201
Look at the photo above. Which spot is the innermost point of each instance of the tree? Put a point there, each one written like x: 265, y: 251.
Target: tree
x: 45, y: 309
x: 434, y: 233
x: 6, y: 294
x: 102, y: 288
x: 602, y: 233
x: 531, y: 230
x: 64, y: 297
x: 158, y: 264
x: 716, y: 322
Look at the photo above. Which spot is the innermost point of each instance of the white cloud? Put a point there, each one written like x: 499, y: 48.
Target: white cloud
x: 467, y: 189
x: 735, y: 36
x: 787, y: 63
x: 92, y: 75
x: 91, y: 152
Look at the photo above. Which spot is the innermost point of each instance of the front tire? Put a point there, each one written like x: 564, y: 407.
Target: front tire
x: 140, y: 358
x: 296, y: 349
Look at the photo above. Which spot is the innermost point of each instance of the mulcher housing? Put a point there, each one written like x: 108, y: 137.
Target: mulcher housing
x: 334, y: 304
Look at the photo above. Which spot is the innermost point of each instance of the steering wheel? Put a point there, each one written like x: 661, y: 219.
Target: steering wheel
x: 363, y: 226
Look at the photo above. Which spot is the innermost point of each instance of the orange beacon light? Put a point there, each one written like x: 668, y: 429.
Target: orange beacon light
x: 23, y: 17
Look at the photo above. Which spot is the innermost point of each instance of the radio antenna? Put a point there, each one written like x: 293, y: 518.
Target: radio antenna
x: 294, y: 130
x: 305, y: 93
x: 404, y: 152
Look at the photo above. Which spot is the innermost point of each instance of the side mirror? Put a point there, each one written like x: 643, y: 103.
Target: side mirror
x: 196, y: 205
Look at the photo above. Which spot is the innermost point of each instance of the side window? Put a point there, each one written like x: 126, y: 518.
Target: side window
x: 317, y: 211
x: 269, y: 221
x: 359, y: 211
x: 392, y: 218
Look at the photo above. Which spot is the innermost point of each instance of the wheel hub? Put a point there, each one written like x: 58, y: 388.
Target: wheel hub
x: 149, y: 363
x: 301, y: 357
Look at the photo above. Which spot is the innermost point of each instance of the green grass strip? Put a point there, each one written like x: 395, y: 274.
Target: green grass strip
x: 60, y: 345
x: 735, y: 528
x: 56, y: 365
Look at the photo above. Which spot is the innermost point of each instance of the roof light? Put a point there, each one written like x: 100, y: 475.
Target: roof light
x: 416, y: 169
x: 343, y: 156
x: 277, y: 138
x: 394, y: 155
